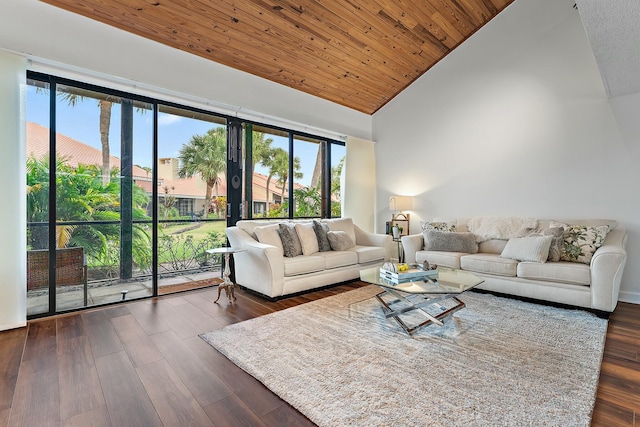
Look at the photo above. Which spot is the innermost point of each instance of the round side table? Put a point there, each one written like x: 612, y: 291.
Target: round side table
x: 227, y: 284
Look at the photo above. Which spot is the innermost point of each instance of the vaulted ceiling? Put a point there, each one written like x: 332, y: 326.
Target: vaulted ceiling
x: 357, y: 53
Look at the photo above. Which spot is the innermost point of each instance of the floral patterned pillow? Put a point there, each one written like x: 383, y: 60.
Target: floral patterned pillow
x: 580, y: 241
x: 438, y: 226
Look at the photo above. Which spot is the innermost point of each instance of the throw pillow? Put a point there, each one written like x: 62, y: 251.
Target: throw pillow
x: 533, y: 248
x: 340, y: 240
x: 435, y: 240
x: 342, y: 224
x: 307, y: 237
x: 269, y: 235
x: 290, y: 242
x: 438, y: 225
x: 556, y: 242
x: 321, y: 231
x: 580, y: 241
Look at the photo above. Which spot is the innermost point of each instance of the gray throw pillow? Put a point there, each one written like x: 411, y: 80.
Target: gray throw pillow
x: 290, y: 242
x: 340, y: 240
x: 321, y: 231
x: 446, y: 241
x: 555, y: 250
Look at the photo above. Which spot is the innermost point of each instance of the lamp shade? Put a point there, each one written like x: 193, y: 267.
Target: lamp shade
x: 400, y: 203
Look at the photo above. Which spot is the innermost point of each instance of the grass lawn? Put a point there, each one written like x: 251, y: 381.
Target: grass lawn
x: 197, y: 233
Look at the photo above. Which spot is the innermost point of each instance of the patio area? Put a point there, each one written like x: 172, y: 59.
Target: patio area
x: 105, y: 292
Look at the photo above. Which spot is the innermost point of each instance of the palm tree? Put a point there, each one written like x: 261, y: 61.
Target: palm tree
x: 281, y: 169
x: 205, y: 155
x: 105, y: 123
x: 261, y: 148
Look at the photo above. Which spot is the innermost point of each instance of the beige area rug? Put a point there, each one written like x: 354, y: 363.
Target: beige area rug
x: 497, y: 362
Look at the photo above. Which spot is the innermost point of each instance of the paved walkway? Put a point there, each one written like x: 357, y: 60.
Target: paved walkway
x: 73, y: 297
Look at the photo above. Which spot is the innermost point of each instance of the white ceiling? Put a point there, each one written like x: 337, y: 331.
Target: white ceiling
x: 613, y: 29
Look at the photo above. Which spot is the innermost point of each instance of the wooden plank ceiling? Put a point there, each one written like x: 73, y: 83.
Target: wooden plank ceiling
x: 357, y: 53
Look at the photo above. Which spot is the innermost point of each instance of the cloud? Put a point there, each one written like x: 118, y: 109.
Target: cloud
x: 168, y: 119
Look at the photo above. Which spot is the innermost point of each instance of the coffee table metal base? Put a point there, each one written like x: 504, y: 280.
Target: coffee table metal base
x: 402, y: 305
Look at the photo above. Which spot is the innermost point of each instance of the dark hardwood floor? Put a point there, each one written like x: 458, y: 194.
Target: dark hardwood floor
x: 142, y: 364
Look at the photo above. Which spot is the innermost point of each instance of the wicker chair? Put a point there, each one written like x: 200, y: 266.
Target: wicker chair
x: 71, y: 268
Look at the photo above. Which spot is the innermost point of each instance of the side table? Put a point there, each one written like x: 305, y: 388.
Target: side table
x: 400, y: 250
x: 227, y: 284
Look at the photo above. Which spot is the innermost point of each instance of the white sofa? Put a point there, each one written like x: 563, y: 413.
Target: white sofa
x: 263, y: 268
x: 595, y: 285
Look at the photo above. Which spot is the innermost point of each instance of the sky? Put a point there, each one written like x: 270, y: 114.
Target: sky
x: 81, y: 122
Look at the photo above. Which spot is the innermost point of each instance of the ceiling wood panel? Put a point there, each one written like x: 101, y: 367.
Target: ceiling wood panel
x: 357, y: 53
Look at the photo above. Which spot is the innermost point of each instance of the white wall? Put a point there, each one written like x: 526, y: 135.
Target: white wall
x: 13, y: 215
x: 515, y: 122
x: 359, y: 186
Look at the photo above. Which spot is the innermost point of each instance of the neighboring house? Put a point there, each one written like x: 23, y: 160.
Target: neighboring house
x: 189, y: 193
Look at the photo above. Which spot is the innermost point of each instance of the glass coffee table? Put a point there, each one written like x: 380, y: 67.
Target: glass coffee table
x: 433, y: 299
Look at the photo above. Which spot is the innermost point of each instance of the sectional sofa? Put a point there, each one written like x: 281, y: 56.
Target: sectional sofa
x: 263, y: 267
x: 512, y: 258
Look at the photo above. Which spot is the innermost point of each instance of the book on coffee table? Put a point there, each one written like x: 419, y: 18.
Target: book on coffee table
x: 408, y: 275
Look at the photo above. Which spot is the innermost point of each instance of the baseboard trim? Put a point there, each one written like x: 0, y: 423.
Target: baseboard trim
x: 630, y: 297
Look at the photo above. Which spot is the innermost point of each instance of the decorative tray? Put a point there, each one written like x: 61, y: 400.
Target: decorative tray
x: 389, y: 272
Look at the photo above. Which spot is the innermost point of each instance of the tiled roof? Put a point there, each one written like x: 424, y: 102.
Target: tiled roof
x: 76, y: 152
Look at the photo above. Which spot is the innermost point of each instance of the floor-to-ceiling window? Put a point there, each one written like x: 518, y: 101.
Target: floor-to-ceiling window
x: 192, y: 195
x: 126, y: 193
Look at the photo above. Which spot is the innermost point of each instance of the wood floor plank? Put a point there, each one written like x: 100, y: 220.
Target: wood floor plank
x: 4, y: 417
x: 175, y: 404
x: 179, y: 324
x: 127, y: 400
x: 146, y: 317
x: 136, y: 342
x: 98, y: 417
x: 41, y: 340
x: 36, y: 400
x: 10, y: 358
x: 607, y: 414
x: 80, y: 389
x: 70, y: 326
x: 285, y: 415
x: 102, y: 335
x: 199, y: 378
x: 203, y: 321
x: 232, y: 412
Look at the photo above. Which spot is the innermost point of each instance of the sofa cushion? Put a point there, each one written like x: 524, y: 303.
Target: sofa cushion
x: 435, y: 240
x: 335, y: 259
x: 321, y: 230
x: 340, y: 240
x: 367, y: 254
x: 486, y: 228
x: 445, y: 259
x: 307, y: 237
x: 303, y: 264
x: 555, y: 248
x: 270, y: 235
x: 581, y: 241
x: 493, y: 246
x: 564, y: 272
x: 490, y: 264
x: 342, y: 224
x: 438, y: 225
x: 532, y: 248
x: 290, y: 241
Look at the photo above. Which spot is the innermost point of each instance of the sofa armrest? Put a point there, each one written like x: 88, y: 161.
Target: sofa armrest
x: 259, y: 267
x: 410, y: 245
x: 364, y: 238
x: 606, y: 267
